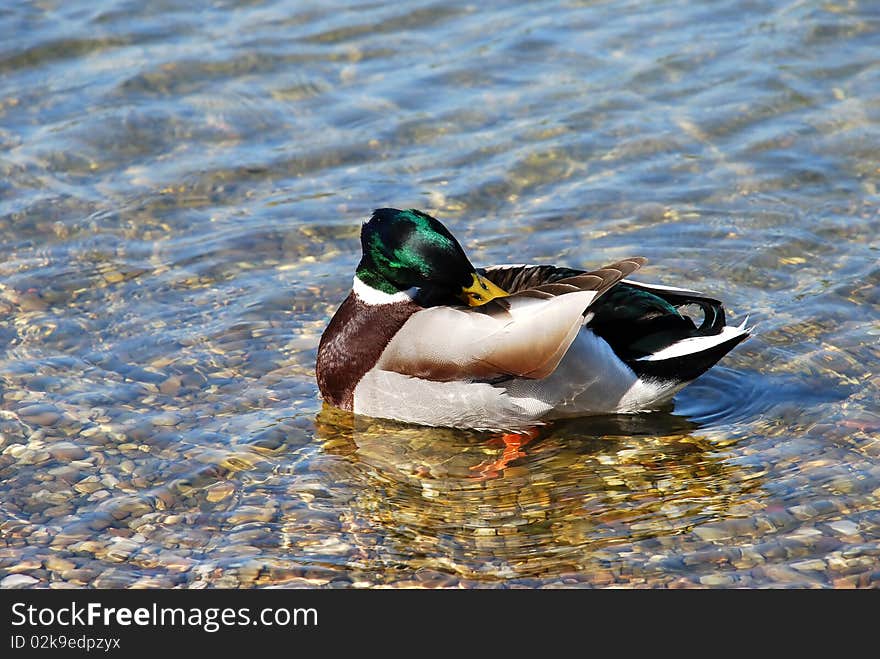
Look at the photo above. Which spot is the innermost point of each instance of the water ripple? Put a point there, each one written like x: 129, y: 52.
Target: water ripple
x: 182, y: 189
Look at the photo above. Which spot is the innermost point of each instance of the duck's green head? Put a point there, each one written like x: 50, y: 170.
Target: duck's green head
x: 404, y: 249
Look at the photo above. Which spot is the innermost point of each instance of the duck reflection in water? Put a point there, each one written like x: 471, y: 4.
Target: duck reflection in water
x: 451, y: 453
x: 468, y: 503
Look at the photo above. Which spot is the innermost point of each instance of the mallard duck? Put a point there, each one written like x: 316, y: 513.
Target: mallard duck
x: 424, y: 337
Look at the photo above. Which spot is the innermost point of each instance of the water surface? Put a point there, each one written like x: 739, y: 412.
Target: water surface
x: 181, y: 192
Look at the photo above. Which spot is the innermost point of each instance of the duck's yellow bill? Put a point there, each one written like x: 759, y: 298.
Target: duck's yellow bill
x: 481, y: 291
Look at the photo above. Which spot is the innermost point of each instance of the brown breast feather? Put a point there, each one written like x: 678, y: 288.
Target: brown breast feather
x: 350, y: 346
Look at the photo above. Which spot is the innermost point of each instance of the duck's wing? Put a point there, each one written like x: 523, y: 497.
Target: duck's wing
x: 515, y: 278
x: 648, y: 328
x: 525, y: 334
x: 521, y: 278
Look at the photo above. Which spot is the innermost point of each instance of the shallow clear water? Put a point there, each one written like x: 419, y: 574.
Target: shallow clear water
x: 181, y: 191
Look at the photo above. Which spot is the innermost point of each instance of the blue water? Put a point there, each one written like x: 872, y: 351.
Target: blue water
x: 181, y: 191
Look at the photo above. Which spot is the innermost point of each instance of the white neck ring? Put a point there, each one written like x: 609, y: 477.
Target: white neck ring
x: 369, y: 295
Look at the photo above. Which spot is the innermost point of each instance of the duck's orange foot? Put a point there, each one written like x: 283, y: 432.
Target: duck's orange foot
x: 513, y: 443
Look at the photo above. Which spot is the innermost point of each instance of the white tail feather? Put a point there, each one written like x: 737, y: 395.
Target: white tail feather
x: 661, y: 287
x: 696, y: 344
